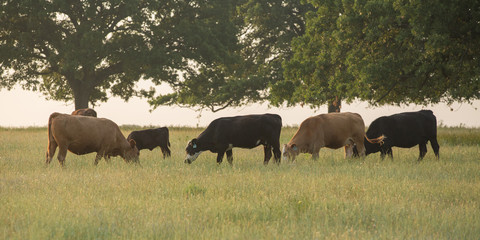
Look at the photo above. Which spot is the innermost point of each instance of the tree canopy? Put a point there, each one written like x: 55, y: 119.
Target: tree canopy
x: 264, y: 30
x: 386, y: 52
x: 220, y: 53
x: 80, y: 50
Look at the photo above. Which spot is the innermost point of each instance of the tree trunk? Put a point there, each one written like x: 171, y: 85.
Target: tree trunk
x: 335, y: 105
x: 81, y: 97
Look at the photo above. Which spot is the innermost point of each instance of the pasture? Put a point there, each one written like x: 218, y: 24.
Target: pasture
x: 331, y: 198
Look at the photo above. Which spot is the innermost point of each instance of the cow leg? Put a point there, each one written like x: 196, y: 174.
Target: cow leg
x: 98, y: 157
x: 166, y: 152
x: 52, y: 147
x: 62, y: 153
x: 355, y: 151
x: 390, y: 153
x: 436, y: 147
x: 267, y: 149
x: 423, y: 150
x: 359, y: 147
x: 316, y: 150
x: 348, y: 151
x: 382, y: 153
x: 384, y: 150
x: 277, y: 154
x: 220, y: 156
x: 229, y: 156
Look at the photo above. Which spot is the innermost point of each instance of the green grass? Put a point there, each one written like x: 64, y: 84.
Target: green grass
x: 330, y: 198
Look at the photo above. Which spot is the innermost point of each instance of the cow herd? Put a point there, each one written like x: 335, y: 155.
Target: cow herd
x: 82, y: 132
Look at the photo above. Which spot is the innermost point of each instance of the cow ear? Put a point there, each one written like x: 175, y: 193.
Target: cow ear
x: 294, y: 147
x: 132, y: 143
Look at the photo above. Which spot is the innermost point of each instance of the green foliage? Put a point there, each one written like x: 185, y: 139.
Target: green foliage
x: 385, y: 52
x: 220, y: 53
x: 269, y: 28
x: 83, y: 50
x: 263, y: 30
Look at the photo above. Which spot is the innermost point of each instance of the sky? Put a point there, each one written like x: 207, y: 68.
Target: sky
x: 20, y: 108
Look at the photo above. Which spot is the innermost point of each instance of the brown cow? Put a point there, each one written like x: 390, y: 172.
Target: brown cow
x: 333, y: 130
x: 82, y: 135
x: 85, y: 112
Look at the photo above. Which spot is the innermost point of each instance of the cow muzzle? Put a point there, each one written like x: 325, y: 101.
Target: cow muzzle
x: 190, y: 158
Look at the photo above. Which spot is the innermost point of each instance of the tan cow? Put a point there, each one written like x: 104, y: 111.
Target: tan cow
x: 82, y: 135
x: 85, y: 112
x: 333, y: 130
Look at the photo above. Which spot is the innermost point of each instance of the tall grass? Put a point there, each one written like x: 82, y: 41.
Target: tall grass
x: 326, y: 199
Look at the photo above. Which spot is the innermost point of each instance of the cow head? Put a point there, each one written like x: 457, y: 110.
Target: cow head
x: 132, y: 153
x: 290, y: 152
x: 373, y: 145
x: 192, y: 150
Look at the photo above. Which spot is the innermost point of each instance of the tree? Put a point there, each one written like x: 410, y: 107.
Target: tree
x: 386, y: 52
x: 214, y: 82
x: 264, y: 30
x: 80, y: 50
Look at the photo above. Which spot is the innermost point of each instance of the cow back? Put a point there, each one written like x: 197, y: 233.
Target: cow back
x: 328, y: 130
x: 86, y: 134
x: 243, y: 131
x: 405, y: 129
x: 150, y: 138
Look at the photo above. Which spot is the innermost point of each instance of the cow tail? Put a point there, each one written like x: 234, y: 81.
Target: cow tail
x: 49, y: 127
x: 50, y: 136
x: 168, y: 138
x: 379, y: 140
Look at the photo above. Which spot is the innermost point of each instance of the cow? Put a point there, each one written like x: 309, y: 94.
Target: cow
x: 332, y: 130
x: 152, y: 138
x: 404, y: 130
x: 81, y: 135
x: 247, y: 131
x: 85, y: 112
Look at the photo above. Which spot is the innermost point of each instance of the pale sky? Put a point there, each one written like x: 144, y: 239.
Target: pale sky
x: 21, y: 108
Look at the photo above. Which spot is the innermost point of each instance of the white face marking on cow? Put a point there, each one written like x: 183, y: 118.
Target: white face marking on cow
x: 190, y: 158
x: 283, y: 153
x: 258, y: 142
x: 230, y: 147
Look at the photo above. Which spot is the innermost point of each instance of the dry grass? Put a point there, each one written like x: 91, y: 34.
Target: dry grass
x: 326, y: 199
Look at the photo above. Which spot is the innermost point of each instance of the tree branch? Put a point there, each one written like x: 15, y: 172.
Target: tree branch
x: 103, y: 73
x: 388, y: 92
x: 212, y: 108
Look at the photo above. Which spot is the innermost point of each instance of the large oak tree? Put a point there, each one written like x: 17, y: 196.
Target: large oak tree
x: 83, y: 50
x: 264, y: 31
x: 386, y: 52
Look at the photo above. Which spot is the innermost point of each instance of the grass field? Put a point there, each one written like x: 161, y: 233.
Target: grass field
x: 331, y: 198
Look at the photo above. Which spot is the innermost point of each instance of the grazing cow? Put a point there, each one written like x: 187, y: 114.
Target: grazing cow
x: 85, y: 112
x: 332, y: 130
x: 403, y: 130
x: 152, y: 138
x: 248, y: 131
x: 81, y: 135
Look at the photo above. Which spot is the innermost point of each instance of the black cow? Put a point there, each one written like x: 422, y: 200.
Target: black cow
x: 248, y: 131
x: 403, y: 130
x: 152, y: 138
